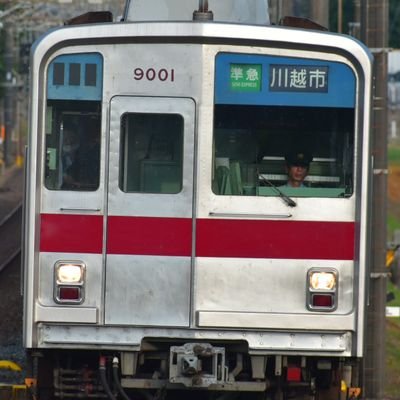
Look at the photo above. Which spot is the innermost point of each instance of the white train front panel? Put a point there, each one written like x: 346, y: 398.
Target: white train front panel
x: 162, y: 210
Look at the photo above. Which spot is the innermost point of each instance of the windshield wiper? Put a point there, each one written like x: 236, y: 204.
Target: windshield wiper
x: 290, y: 202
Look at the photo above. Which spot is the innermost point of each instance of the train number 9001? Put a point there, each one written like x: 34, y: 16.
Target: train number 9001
x: 151, y: 74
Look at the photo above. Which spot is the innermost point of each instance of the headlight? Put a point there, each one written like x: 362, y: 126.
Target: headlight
x: 69, y: 273
x: 69, y: 282
x: 322, y: 280
x: 322, y: 293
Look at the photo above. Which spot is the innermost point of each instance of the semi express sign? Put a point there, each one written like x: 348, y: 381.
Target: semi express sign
x: 245, y: 77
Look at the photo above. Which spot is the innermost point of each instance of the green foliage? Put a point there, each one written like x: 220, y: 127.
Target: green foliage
x: 393, y: 221
x: 393, y: 224
x: 1, y: 56
x: 2, y: 72
x: 392, y: 377
x: 1, y: 40
x: 394, y: 26
x: 394, y: 155
x: 396, y: 291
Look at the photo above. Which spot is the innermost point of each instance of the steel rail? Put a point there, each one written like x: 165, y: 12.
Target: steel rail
x: 10, y: 249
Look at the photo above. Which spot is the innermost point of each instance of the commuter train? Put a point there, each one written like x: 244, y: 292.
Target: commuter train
x: 165, y: 257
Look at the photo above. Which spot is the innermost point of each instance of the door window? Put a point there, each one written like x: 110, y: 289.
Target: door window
x: 151, y: 153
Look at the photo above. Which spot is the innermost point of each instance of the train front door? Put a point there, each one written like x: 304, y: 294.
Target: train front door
x: 150, y: 211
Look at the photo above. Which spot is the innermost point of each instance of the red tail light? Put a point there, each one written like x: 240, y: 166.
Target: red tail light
x: 66, y: 293
x: 322, y: 300
x: 293, y: 374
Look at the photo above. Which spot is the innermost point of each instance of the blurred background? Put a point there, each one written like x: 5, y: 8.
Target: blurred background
x: 21, y: 23
x: 374, y: 22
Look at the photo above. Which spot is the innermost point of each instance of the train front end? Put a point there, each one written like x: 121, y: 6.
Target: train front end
x: 162, y: 240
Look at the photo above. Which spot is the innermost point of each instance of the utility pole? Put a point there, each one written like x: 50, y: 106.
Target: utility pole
x: 374, y: 33
x: 354, y: 26
x: 340, y: 16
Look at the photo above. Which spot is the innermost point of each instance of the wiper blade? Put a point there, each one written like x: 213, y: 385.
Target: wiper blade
x: 290, y: 202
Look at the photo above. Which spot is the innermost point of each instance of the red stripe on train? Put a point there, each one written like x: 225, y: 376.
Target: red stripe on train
x: 150, y: 236
x: 275, y: 239
x: 214, y: 238
x: 66, y: 233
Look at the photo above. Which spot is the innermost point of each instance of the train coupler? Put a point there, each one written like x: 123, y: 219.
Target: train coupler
x: 197, y: 365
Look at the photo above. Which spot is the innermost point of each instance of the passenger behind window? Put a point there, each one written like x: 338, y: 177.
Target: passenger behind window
x: 69, y: 153
x: 83, y: 171
x: 297, y: 167
x: 90, y: 159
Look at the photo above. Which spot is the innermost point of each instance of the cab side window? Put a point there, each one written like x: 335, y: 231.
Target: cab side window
x: 72, y: 146
x: 73, y: 122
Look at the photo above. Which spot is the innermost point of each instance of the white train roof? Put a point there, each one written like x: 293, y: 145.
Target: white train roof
x: 237, y: 11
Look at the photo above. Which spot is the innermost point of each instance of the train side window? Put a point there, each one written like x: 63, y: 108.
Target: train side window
x: 73, y: 122
x: 73, y: 132
x: 151, y: 153
x: 251, y: 142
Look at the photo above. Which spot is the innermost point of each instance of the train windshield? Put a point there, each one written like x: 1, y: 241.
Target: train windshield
x: 283, y: 124
x: 256, y: 146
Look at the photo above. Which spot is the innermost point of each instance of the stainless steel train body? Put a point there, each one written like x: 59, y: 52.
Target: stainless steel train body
x: 171, y: 245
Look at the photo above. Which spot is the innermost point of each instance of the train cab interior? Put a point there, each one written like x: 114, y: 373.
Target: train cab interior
x: 251, y: 142
x: 73, y: 135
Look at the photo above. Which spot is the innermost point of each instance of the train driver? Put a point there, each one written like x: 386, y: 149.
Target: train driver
x: 81, y: 172
x: 68, y: 157
x: 297, y: 167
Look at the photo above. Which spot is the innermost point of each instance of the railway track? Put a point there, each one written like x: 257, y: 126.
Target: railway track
x: 10, y: 279
x: 11, y: 349
x: 10, y: 237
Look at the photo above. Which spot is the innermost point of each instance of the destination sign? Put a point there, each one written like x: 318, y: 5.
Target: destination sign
x: 257, y: 79
x: 298, y: 78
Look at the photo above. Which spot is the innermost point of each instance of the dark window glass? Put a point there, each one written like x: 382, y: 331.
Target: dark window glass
x: 90, y: 74
x: 151, y: 153
x: 304, y: 151
x: 73, y: 145
x: 74, y: 74
x: 58, y: 74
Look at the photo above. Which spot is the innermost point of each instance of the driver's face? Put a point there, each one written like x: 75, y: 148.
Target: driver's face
x: 296, y: 174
